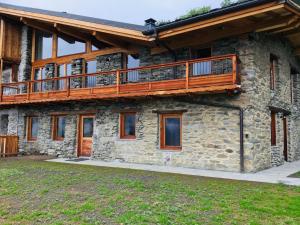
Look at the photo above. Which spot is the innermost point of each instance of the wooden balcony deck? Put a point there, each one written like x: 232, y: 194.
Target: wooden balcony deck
x: 209, y: 75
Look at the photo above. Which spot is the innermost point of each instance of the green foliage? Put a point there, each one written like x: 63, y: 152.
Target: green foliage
x: 195, y: 12
x: 226, y: 3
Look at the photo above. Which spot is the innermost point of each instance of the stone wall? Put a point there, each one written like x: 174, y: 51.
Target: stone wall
x: 200, y: 149
x: 9, y: 121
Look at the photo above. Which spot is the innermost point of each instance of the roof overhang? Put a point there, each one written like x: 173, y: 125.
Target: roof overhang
x: 89, y: 26
x: 270, y: 16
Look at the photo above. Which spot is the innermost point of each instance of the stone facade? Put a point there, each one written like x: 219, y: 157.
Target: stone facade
x: 210, y: 135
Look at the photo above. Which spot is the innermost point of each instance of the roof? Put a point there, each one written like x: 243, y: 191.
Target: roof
x: 76, y: 17
x: 218, y: 12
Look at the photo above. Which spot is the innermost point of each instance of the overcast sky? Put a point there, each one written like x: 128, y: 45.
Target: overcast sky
x: 132, y: 11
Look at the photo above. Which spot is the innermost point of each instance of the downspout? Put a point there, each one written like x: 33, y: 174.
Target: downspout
x: 241, y: 115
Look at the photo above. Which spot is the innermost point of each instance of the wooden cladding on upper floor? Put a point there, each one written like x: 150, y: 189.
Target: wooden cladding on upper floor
x: 10, y: 41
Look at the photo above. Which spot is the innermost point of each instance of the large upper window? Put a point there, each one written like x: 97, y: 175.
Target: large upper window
x: 69, y: 47
x: 170, y: 132
x: 43, y: 45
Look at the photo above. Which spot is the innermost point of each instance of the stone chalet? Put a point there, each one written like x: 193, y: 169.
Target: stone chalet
x: 218, y: 91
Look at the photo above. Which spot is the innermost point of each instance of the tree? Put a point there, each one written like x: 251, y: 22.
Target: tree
x: 226, y: 3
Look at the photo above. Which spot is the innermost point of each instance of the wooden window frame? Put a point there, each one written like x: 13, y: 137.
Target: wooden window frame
x: 55, y: 118
x: 29, y: 129
x: 273, y: 65
x: 122, y: 126
x: 273, y: 129
x: 163, y: 145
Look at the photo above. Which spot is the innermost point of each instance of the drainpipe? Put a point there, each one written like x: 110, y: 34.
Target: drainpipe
x: 241, y: 114
x: 151, y: 29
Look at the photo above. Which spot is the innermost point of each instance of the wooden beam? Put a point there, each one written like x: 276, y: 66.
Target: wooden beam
x: 2, y: 37
x: 87, y: 56
x: 72, y: 33
x: 115, y: 42
x: 37, y: 25
x: 282, y: 23
x: 293, y: 26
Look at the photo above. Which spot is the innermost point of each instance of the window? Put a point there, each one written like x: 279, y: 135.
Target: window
x: 10, y: 72
x: 61, y: 73
x: 69, y: 47
x: 127, y: 127
x: 88, y: 127
x: 58, y: 129
x: 201, y: 68
x: 43, y: 45
x: 32, y: 128
x: 170, y: 131
x: 91, y: 68
x: 39, y: 74
x: 273, y: 128
x: 273, y: 70
x: 131, y: 62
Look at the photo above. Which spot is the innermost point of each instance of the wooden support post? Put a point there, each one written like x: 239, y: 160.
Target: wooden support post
x: 68, y: 86
x: 28, y: 89
x: 187, y: 74
x: 54, y: 46
x: 1, y: 79
x: 234, y: 69
x: 33, y: 46
x: 118, y: 81
x: 2, y: 38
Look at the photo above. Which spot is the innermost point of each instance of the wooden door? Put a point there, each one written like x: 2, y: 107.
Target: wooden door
x: 86, y: 131
x: 285, y: 139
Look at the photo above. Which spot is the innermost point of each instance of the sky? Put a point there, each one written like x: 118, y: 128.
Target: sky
x: 130, y: 11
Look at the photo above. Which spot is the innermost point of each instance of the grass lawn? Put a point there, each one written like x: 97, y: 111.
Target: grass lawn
x: 37, y: 192
x: 296, y: 175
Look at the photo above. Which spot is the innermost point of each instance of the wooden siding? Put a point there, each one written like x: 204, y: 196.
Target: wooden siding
x: 8, y: 146
x: 11, y: 42
x: 209, y: 75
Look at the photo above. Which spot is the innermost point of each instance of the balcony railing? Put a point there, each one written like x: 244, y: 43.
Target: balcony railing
x: 215, y: 74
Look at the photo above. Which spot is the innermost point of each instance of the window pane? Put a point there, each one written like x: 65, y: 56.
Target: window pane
x: 129, y: 124
x: 69, y: 47
x: 91, y: 67
x: 94, y: 48
x: 69, y: 69
x: 60, y: 73
x: 133, y: 76
x: 43, y: 45
x: 88, y: 127
x: 61, y: 123
x: 34, y: 127
x: 172, y: 131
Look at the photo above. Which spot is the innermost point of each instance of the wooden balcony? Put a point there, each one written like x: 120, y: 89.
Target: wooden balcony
x: 209, y: 75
